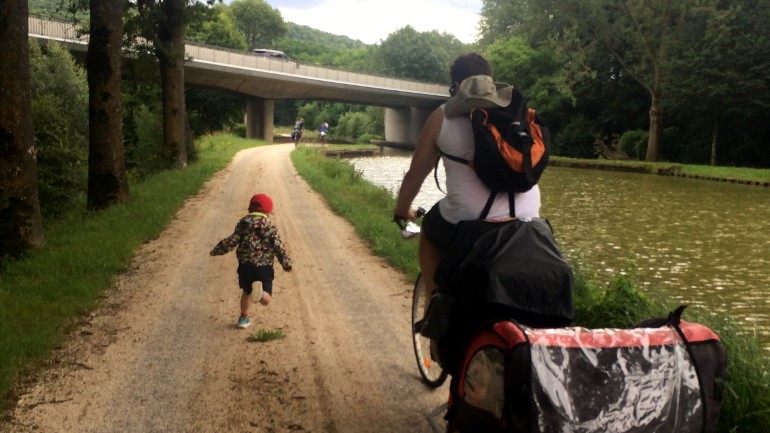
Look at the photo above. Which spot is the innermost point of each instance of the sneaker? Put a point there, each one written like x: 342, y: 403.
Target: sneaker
x: 256, y: 293
x: 243, y: 322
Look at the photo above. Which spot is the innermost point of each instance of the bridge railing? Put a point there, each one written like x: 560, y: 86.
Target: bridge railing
x: 69, y: 33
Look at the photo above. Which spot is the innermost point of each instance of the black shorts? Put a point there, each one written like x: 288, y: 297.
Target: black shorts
x: 248, y: 274
x: 438, y: 230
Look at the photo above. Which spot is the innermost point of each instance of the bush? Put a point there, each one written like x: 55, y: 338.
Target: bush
x: 576, y: 139
x: 60, y: 116
x: 634, y: 143
x: 147, y: 155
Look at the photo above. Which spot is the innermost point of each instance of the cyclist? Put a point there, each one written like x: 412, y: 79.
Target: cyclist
x: 448, y: 129
x: 296, y: 134
x: 323, y: 130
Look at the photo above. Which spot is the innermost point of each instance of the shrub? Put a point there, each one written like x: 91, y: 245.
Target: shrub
x: 60, y: 116
x: 576, y: 139
x: 634, y: 143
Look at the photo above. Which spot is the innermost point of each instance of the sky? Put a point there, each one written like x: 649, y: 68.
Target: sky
x: 371, y: 21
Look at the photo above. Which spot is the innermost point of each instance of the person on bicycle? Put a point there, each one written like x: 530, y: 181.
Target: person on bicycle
x: 449, y: 130
x: 323, y: 131
x: 258, y: 244
x: 296, y: 134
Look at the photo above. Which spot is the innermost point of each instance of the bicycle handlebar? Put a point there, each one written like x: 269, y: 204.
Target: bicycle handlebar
x: 409, y: 229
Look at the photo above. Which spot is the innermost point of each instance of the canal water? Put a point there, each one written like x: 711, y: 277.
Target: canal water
x: 698, y: 242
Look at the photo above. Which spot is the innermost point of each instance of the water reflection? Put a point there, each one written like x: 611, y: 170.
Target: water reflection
x: 703, y: 243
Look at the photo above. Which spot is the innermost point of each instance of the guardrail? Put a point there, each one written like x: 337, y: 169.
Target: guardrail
x: 70, y: 34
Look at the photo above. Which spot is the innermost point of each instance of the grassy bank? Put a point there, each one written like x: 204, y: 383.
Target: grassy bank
x: 46, y: 294
x: 619, y: 304
x: 754, y: 176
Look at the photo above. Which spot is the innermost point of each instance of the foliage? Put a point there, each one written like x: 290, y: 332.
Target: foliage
x: 60, y: 116
x: 311, y: 46
x: 216, y: 27
x: 423, y: 56
x: 260, y: 23
x: 576, y: 140
x: 633, y: 142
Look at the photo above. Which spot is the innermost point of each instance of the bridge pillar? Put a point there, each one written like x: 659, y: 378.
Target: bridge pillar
x: 259, y: 118
x: 403, y: 126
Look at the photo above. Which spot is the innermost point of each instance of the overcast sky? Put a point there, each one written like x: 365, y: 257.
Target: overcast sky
x: 371, y: 21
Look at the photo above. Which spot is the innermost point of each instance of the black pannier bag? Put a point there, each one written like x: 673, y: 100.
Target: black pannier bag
x: 494, y: 271
x: 515, y: 379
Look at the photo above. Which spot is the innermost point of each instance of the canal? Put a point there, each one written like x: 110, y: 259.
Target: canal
x: 703, y: 243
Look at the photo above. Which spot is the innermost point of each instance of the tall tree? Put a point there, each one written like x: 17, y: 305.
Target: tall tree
x: 638, y: 34
x: 163, y: 22
x: 260, y: 23
x: 424, y: 56
x: 21, y: 223
x: 107, y: 181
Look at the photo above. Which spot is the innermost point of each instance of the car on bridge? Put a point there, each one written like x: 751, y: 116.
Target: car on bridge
x: 273, y: 54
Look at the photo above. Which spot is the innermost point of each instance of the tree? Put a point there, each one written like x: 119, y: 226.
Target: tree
x: 107, y: 181
x: 500, y: 19
x: 639, y: 35
x: 260, y: 23
x: 215, y: 26
x: 59, y: 89
x: 21, y: 223
x: 163, y: 22
x: 423, y: 56
x: 724, y: 105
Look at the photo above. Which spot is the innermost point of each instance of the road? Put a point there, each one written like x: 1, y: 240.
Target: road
x: 161, y: 353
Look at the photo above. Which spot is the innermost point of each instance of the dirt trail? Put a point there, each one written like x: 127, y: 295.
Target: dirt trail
x: 162, y: 353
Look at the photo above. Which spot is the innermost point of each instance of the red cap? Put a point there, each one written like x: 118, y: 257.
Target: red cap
x: 261, y: 203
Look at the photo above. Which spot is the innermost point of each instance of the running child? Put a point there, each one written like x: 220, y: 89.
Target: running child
x: 258, y: 244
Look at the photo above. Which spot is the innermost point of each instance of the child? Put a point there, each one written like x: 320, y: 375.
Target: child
x: 258, y: 244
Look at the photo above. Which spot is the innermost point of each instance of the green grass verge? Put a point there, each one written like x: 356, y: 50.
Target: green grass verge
x: 45, y: 294
x: 619, y: 304
x: 702, y: 171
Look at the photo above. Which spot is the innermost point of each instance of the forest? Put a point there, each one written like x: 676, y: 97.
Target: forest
x: 651, y: 80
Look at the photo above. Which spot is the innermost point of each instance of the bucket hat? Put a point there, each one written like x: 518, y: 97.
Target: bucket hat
x: 478, y: 91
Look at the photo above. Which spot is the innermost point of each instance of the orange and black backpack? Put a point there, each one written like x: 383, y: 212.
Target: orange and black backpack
x: 512, y: 145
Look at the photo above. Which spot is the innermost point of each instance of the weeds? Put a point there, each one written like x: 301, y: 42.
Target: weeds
x: 264, y: 335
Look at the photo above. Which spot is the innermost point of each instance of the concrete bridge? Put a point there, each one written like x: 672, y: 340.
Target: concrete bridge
x: 262, y: 80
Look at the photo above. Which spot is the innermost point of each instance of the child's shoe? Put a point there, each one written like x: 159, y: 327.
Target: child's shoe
x: 243, y: 322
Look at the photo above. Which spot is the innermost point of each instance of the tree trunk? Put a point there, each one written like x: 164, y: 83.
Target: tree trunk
x: 171, y: 58
x: 656, y: 130
x: 714, y: 137
x: 21, y: 224
x: 107, y: 181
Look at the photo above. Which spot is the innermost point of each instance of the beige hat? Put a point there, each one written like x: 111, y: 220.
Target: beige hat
x: 478, y: 91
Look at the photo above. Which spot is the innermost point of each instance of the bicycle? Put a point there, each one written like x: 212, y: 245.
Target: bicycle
x: 430, y: 370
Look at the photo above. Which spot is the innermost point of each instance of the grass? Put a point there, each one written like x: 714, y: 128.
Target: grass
x: 618, y: 304
x: 45, y: 295
x: 264, y: 335
x: 703, y: 171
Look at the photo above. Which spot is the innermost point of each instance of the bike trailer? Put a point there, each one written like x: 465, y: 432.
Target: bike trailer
x: 661, y: 379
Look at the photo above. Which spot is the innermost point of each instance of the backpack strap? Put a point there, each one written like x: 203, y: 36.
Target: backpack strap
x: 491, y: 200
x: 488, y: 205
x: 451, y: 157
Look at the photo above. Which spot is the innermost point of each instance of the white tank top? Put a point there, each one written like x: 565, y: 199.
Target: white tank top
x: 466, y: 194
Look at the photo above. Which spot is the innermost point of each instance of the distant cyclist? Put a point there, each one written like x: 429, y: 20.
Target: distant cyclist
x: 323, y: 131
x: 296, y: 134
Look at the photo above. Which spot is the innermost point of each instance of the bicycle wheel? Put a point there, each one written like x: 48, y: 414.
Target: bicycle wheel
x: 432, y: 373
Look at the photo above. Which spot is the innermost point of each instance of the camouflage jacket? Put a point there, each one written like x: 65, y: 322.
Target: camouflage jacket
x: 257, y: 242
